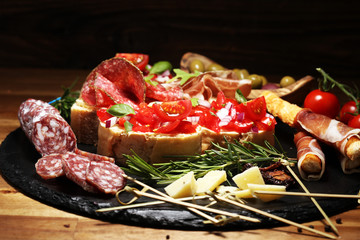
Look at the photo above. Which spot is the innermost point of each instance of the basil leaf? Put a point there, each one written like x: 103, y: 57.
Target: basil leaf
x: 184, y: 76
x: 120, y: 110
x: 128, y: 126
x: 240, y: 97
x: 194, y: 102
x: 161, y: 67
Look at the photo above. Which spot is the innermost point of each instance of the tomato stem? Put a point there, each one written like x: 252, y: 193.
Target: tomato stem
x: 324, y: 85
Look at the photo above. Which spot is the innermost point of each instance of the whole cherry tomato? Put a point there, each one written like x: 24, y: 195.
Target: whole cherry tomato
x: 347, y: 110
x: 321, y: 102
x: 355, y: 122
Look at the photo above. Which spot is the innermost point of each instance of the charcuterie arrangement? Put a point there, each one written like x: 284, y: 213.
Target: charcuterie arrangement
x: 166, y: 119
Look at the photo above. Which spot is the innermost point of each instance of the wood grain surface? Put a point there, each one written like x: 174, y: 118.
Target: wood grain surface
x: 24, y: 218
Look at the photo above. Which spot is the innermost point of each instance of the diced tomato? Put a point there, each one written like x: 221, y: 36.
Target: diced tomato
x: 266, y: 123
x: 138, y: 59
x: 185, y: 127
x: 174, y: 110
x: 103, y: 115
x: 145, y: 114
x: 138, y: 126
x: 167, y: 127
x: 240, y: 126
x: 256, y: 108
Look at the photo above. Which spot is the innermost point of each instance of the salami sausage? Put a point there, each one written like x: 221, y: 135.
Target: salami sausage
x: 46, y: 128
x: 105, y: 176
x: 311, y: 159
x: 75, y: 167
x: 50, y: 166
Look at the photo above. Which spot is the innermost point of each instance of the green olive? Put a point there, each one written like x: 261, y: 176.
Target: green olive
x: 286, y: 81
x: 256, y: 81
x: 241, y: 73
x: 196, y: 65
x: 214, y: 67
x: 264, y: 80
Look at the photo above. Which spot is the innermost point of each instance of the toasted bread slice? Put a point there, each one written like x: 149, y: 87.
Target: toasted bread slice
x: 84, y: 122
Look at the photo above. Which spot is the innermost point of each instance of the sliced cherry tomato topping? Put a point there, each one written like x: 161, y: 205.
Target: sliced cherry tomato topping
x: 138, y: 59
x: 103, y: 115
x: 167, y: 127
x: 256, y: 109
x: 174, y: 110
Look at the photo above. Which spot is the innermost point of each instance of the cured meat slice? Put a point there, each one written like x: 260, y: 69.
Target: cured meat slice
x: 75, y: 167
x: 125, y: 76
x: 50, y: 166
x: 52, y: 134
x: 311, y: 159
x: 94, y: 156
x: 160, y: 93
x: 105, y: 176
x: 207, y: 85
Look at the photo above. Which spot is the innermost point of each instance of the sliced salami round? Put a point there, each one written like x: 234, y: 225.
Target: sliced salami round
x: 106, y: 176
x: 127, y: 79
x: 52, y: 134
x: 50, y: 166
x: 94, y: 156
x: 75, y: 167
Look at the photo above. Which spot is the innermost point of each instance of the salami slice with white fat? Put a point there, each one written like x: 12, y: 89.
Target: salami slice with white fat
x: 75, y: 167
x: 94, y: 156
x: 52, y: 134
x: 105, y: 176
x: 50, y: 166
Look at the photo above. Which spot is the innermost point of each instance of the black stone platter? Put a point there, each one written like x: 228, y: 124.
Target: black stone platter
x: 18, y: 157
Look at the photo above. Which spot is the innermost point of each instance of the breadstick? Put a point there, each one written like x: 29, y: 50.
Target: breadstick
x: 311, y: 159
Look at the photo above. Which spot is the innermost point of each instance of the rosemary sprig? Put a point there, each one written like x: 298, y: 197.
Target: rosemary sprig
x: 231, y: 158
x: 64, y: 103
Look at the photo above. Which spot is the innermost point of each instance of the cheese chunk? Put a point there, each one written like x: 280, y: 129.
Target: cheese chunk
x: 251, y: 175
x: 210, y: 181
x: 182, y: 187
x: 224, y: 190
x: 266, y: 187
x: 246, y: 193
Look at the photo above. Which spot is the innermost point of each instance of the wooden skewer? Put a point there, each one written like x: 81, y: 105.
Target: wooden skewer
x: 314, y: 201
x: 274, y: 216
x: 192, y: 207
x: 327, y: 195
x: 144, y: 204
x: 195, y: 206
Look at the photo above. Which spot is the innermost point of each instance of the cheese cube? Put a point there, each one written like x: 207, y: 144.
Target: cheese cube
x: 224, y: 190
x: 251, y: 175
x: 210, y: 181
x: 182, y: 187
x: 266, y: 187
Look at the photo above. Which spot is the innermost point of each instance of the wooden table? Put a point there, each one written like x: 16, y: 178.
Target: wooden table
x: 24, y: 218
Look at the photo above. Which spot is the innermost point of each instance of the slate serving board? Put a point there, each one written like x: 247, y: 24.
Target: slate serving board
x: 18, y: 157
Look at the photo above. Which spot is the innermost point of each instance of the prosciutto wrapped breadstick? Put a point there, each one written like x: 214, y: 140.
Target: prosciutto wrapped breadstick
x: 330, y: 131
x: 311, y: 159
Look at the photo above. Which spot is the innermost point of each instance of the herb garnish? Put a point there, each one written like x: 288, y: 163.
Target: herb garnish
x: 230, y: 158
x: 64, y: 103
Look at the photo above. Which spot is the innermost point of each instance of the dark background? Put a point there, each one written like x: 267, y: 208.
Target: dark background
x: 266, y: 37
